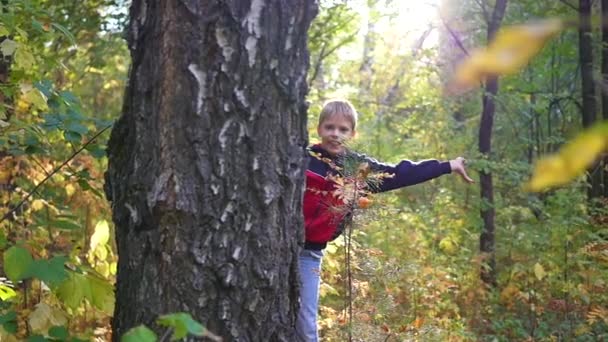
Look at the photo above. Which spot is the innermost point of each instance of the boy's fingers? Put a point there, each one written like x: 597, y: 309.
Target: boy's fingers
x: 466, y: 177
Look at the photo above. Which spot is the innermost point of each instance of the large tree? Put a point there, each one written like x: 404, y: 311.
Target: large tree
x: 206, y: 165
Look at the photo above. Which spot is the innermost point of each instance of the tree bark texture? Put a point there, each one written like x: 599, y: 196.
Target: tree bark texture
x: 206, y: 165
x: 585, y: 49
x: 487, y: 212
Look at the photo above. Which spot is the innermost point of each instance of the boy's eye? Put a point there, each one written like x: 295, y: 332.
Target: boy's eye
x: 344, y: 130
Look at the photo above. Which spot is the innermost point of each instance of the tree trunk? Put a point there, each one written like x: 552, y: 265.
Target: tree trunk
x: 7, y: 185
x: 585, y: 50
x: 604, y: 21
x: 206, y: 165
x: 486, y: 240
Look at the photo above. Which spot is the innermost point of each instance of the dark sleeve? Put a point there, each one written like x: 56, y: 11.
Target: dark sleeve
x: 406, y: 173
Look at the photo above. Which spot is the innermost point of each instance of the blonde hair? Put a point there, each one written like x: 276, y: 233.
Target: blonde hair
x: 339, y: 107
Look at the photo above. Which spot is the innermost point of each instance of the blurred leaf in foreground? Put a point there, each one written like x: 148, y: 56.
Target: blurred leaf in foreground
x: 571, y: 161
x: 509, y: 52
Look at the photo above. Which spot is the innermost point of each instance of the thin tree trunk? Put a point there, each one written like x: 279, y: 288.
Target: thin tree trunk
x: 604, y: 87
x: 206, y: 166
x: 585, y: 48
x: 7, y: 186
x: 487, y: 239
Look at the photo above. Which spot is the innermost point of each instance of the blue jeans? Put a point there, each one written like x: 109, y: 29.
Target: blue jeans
x: 310, y: 279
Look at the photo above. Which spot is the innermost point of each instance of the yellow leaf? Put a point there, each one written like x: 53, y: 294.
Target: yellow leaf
x: 539, y: 271
x: 508, y: 293
x: 37, y: 205
x: 32, y: 96
x: 571, y: 161
x: 101, y: 235
x: 113, y: 268
x: 6, y: 293
x: 103, y: 268
x: 101, y: 253
x: 511, y: 50
x: 70, y: 189
x: 447, y: 245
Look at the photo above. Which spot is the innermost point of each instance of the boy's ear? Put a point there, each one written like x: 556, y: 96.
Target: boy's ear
x: 354, y: 134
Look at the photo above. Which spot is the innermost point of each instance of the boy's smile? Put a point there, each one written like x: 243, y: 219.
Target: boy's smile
x: 334, y: 131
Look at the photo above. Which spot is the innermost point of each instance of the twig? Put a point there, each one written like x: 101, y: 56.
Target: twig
x: 565, y: 2
x: 166, y: 335
x: 454, y: 36
x: 8, y: 214
x: 482, y: 5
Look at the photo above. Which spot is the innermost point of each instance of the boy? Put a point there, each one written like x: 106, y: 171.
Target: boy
x: 337, y: 123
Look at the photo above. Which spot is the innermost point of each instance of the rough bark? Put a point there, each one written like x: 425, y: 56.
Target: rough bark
x: 589, y: 107
x: 206, y: 165
x: 487, y: 237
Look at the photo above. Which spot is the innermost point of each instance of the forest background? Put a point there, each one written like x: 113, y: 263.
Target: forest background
x: 416, y: 266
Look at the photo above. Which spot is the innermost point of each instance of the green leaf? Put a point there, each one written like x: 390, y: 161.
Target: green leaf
x: 139, y: 334
x: 36, y: 338
x: 52, y: 122
x: 46, y: 87
x: 182, y: 324
x: 70, y: 99
x: 65, y: 225
x: 36, y: 98
x: 9, y: 322
x: 8, y: 317
x: 8, y: 47
x: 102, y: 294
x: 52, y: 271
x: 35, y: 150
x: 24, y: 59
x: 66, y: 32
x: 59, y: 332
x: 3, y: 31
x: 87, y: 187
x: 77, y: 127
x: 96, y: 151
x: 10, y: 327
x: 37, y: 25
x: 74, y: 290
x: 3, y: 240
x: 72, y: 136
x: 17, y: 262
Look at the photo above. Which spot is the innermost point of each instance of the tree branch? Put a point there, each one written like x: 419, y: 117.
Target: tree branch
x: 565, y: 2
x: 454, y: 36
x: 26, y: 198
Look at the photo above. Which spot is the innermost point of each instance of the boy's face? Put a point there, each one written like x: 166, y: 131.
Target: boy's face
x: 334, y: 131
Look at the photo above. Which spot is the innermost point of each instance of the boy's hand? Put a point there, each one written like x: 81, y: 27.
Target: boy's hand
x: 457, y: 166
